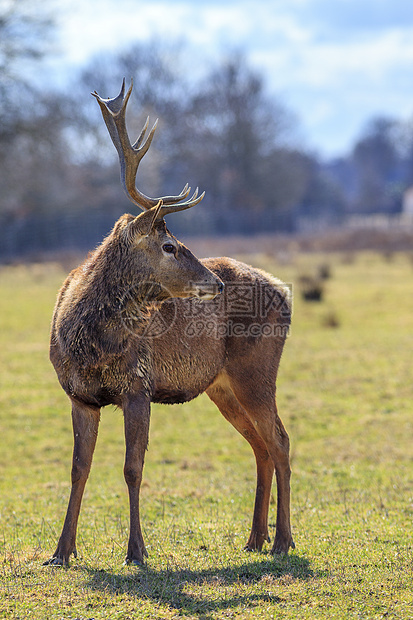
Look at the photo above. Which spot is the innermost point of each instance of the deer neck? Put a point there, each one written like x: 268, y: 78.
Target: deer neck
x: 125, y: 291
x: 137, y: 303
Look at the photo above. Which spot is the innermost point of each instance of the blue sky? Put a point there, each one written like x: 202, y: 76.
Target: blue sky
x: 335, y: 63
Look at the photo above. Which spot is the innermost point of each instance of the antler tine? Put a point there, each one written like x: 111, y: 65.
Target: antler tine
x: 130, y: 155
x: 194, y: 200
x: 138, y: 142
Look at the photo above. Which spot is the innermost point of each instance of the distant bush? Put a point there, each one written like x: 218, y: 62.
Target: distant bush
x: 324, y: 271
x: 311, y: 288
x: 331, y: 320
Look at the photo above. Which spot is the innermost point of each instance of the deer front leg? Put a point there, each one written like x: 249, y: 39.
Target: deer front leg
x: 136, y: 411
x: 85, y: 420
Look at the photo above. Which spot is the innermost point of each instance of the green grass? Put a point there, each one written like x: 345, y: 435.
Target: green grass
x: 345, y: 396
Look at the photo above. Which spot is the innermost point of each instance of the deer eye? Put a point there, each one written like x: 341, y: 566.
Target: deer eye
x: 169, y: 248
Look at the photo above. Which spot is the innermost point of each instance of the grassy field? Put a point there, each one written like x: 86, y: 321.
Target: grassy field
x: 345, y: 395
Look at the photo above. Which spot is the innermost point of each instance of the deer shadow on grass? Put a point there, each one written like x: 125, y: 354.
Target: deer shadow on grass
x: 206, y: 591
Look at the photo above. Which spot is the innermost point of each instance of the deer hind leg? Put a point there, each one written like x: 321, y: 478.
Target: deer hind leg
x: 222, y: 395
x: 85, y: 421
x: 258, y: 400
x: 136, y: 411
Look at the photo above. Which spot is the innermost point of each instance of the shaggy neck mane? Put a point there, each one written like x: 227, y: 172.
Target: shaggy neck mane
x: 117, y: 296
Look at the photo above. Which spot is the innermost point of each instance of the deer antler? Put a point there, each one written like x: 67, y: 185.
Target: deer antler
x: 130, y: 156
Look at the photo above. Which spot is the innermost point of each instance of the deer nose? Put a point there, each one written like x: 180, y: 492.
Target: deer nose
x: 221, y: 287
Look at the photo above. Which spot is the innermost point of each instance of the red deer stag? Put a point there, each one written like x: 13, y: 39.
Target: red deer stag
x: 142, y: 320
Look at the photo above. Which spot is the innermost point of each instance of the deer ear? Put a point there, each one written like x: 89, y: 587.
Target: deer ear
x: 142, y: 225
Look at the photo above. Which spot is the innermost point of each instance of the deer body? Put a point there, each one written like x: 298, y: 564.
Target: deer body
x: 141, y: 321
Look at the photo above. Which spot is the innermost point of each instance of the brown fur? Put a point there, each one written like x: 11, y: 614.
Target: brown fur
x: 103, y: 354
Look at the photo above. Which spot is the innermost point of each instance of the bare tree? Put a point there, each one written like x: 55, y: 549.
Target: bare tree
x: 378, y: 170
x: 244, y: 136
x: 24, y: 38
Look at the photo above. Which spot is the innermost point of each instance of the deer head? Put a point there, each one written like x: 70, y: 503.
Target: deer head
x: 158, y: 255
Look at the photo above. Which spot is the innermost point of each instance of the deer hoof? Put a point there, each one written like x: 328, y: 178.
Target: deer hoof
x: 282, y: 546
x: 256, y: 541
x: 56, y: 561
x: 133, y: 562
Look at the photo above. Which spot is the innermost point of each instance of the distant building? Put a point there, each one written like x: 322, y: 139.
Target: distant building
x: 407, y: 207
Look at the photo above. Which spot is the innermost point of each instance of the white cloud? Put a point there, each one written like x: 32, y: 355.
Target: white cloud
x: 336, y: 63
x: 371, y: 58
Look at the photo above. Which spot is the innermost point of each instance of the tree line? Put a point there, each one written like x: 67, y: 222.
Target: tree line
x: 59, y: 171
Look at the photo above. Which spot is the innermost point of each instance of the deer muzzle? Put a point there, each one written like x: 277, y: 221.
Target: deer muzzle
x: 209, y: 291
